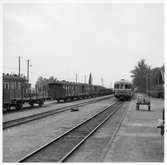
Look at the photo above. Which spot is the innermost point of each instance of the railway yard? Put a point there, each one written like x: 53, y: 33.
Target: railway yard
x: 60, y: 137
x: 83, y: 82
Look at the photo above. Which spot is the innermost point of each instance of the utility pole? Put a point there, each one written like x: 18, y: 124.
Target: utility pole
x: 111, y: 84
x: 28, y: 65
x: 148, y: 82
x: 19, y: 65
x: 102, y: 82
x: 85, y: 79
x: 76, y: 77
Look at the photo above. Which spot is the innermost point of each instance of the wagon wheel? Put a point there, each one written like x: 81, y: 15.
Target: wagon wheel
x: 162, y: 131
x: 19, y: 106
x: 31, y: 104
x: 65, y: 100
x: 40, y: 103
x: 8, y: 108
x: 137, y: 107
x: 149, y: 107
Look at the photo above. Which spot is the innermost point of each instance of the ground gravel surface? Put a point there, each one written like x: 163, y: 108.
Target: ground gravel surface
x: 137, y: 140
x: 96, y: 146
x: 21, y: 140
x: 23, y: 113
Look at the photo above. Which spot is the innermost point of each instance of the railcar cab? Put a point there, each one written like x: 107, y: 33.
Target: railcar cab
x: 123, y: 84
x: 123, y: 89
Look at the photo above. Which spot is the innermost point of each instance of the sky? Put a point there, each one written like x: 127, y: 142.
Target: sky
x: 61, y: 40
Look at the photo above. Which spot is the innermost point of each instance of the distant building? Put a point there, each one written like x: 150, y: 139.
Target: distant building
x: 162, y: 73
x: 157, y: 82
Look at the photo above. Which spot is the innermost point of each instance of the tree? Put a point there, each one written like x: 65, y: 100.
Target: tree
x: 42, y: 84
x: 141, y: 74
x: 90, y: 79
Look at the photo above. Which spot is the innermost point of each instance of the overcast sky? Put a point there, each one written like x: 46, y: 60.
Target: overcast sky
x: 64, y: 39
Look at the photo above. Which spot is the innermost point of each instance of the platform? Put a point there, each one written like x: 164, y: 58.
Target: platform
x: 139, y: 139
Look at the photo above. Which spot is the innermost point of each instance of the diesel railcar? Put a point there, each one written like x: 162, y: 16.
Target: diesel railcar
x: 63, y: 90
x: 123, y: 90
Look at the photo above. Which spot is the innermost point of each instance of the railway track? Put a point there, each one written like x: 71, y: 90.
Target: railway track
x: 28, y: 107
x: 19, y: 121
x: 60, y: 148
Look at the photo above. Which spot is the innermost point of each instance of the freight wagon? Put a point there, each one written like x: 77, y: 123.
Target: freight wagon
x: 63, y: 90
x: 17, y: 91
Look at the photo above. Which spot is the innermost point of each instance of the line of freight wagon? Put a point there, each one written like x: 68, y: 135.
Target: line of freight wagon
x: 17, y: 91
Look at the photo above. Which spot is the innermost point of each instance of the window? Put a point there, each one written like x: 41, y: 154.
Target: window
x: 64, y: 87
x: 6, y: 85
x: 12, y: 85
x: 117, y: 86
x: 121, y: 86
x: 19, y: 85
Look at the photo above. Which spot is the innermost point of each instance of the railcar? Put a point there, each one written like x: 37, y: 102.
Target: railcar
x: 123, y: 90
x: 16, y: 92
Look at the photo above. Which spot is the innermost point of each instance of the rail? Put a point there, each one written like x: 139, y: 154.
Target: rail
x: 23, y: 120
x: 60, y: 148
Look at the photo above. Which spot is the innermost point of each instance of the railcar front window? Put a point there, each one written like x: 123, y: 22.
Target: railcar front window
x: 117, y: 86
x: 126, y: 86
x: 121, y: 86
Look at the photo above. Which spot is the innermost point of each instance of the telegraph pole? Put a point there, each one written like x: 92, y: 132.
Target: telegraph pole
x: 111, y: 84
x: 19, y: 65
x: 76, y: 77
x: 28, y: 65
x: 85, y: 79
x: 148, y: 82
x: 102, y: 82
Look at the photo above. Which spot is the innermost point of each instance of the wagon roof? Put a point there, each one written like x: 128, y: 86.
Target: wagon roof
x: 73, y: 83
x: 13, y: 77
x: 67, y: 83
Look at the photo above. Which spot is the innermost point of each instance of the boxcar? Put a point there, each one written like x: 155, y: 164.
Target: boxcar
x: 14, y: 89
x: 16, y: 92
x: 63, y: 90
